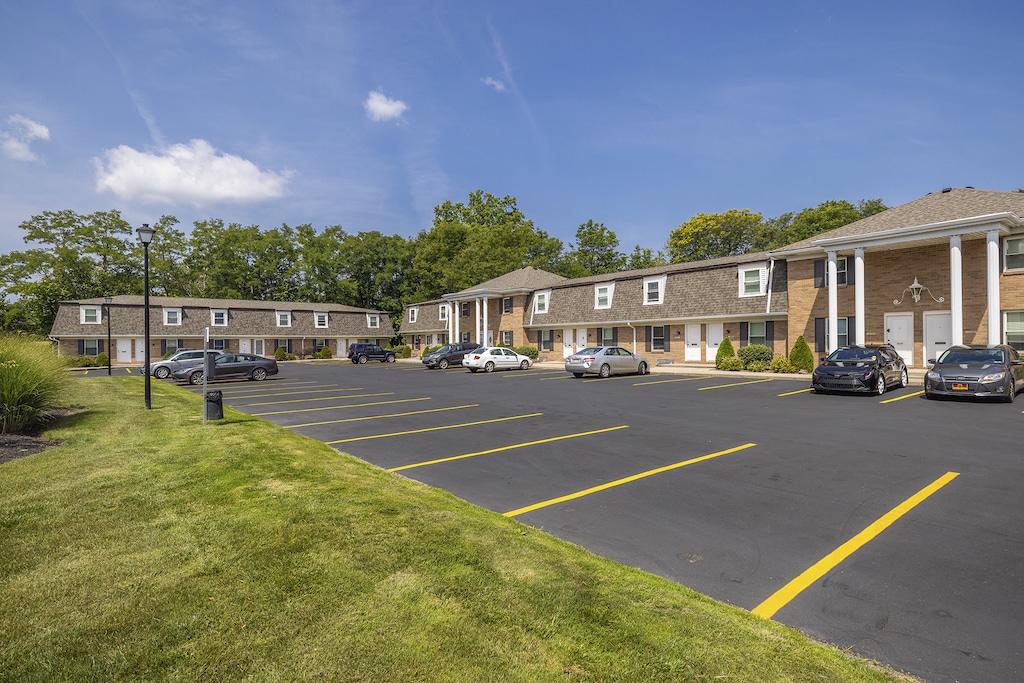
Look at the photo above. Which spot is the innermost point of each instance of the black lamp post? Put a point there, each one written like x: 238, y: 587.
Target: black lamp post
x: 108, y: 300
x: 146, y: 236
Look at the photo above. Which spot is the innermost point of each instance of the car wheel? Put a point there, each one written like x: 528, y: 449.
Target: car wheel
x: 642, y: 369
x: 606, y: 371
x: 390, y: 358
x: 489, y: 367
x: 362, y: 360
x: 195, y: 378
x: 880, y: 384
x: 443, y: 364
x: 904, y: 378
x: 577, y: 375
x: 161, y: 373
x: 1011, y: 391
x: 525, y: 365
x: 259, y: 374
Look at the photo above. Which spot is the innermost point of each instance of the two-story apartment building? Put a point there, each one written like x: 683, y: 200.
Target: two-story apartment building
x: 260, y: 327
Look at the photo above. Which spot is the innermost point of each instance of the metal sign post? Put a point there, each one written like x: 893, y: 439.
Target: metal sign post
x: 207, y: 366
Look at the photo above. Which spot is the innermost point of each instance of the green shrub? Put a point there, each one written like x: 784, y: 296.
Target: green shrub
x: 102, y: 360
x: 725, y: 350
x: 755, y: 353
x: 80, y: 362
x: 280, y: 353
x: 428, y: 349
x: 801, y: 355
x: 730, y: 363
x: 324, y: 353
x: 31, y: 380
x: 403, y: 351
x: 531, y: 351
x: 756, y: 366
x: 782, y: 364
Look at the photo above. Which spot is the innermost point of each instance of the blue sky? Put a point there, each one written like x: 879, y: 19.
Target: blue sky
x: 369, y: 114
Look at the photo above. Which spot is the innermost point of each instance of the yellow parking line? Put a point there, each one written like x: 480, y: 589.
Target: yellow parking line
x: 529, y: 374
x: 505, y: 448
x: 321, y: 398
x: 378, y: 417
x: 735, y: 384
x: 800, y: 391
x: 435, y: 429
x: 624, y: 480
x: 353, y: 405
x: 784, y: 595
x: 545, y: 379
x: 900, y: 398
x: 666, y: 381
x: 607, y: 379
x: 293, y: 393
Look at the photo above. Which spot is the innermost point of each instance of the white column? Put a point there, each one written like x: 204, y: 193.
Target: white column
x: 956, y: 289
x: 484, y: 333
x: 451, y: 321
x: 858, y: 287
x: 833, y: 304
x: 477, y: 321
x: 995, y: 317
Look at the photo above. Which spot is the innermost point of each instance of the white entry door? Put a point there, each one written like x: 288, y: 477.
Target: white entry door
x: 567, y: 342
x: 124, y: 350
x: 692, y: 343
x: 715, y: 336
x: 938, y: 333
x: 244, y: 345
x: 140, y: 351
x: 899, y: 331
x: 581, y: 338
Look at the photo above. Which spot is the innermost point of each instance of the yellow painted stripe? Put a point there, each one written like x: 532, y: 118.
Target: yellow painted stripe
x: 274, y: 392
x: 782, y: 597
x: 900, y: 398
x: 353, y: 405
x: 801, y: 391
x: 130, y: 370
x: 625, y: 480
x: 735, y: 384
x: 435, y: 429
x: 322, y: 398
x: 608, y: 379
x: 666, y: 381
x: 528, y: 374
x: 506, y: 448
x: 546, y: 379
x: 379, y: 417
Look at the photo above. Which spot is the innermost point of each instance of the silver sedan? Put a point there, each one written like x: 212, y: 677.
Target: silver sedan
x: 605, y: 361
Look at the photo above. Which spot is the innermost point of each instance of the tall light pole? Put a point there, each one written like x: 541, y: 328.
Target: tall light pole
x: 146, y: 236
x: 108, y: 299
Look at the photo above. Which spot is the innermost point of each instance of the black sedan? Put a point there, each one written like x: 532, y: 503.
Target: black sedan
x: 990, y: 371
x: 870, y: 369
x: 231, y: 365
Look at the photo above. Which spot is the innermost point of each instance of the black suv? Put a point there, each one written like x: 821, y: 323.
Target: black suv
x: 449, y: 354
x: 360, y: 353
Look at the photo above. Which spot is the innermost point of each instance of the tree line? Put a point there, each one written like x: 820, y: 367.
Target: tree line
x: 75, y: 256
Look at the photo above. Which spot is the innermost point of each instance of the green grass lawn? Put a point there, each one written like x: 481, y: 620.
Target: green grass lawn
x: 149, y: 547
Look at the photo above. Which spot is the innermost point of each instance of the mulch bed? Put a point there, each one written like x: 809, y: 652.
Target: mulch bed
x: 14, y: 446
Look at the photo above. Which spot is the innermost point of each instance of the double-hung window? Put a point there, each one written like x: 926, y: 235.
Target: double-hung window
x: 91, y: 347
x: 506, y: 305
x: 89, y: 315
x: 603, y: 295
x: 546, y: 343
x: 372, y: 320
x: 442, y: 312
x: 172, y: 316
x: 658, y: 338
x: 753, y: 281
x: 413, y: 314
x: 506, y: 337
x: 758, y: 333
x: 654, y: 290
x: 540, y: 302
x: 1015, y: 329
x: 320, y: 320
x: 218, y: 317
x: 465, y: 309
x: 284, y: 319
x: 1014, y: 254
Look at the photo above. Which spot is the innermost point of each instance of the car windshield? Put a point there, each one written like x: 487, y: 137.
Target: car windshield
x: 973, y: 357
x: 445, y: 349
x: 853, y: 355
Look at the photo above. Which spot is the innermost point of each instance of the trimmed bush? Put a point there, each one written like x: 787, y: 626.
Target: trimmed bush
x: 531, y: 351
x: 403, y: 351
x: 725, y: 350
x: 782, y: 364
x: 31, y: 380
x: 801, y: 355
x: 756, y: 366
x: 324, y: 353
x: 755, y: 353
x: 280, y: 353
x: 730, y: 363
x: 101, y: 360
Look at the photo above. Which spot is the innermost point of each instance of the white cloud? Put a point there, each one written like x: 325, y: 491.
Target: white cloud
x: 380, y: 108
x: 17, y: 139
x: 494, y: 83
x: 195, y: 173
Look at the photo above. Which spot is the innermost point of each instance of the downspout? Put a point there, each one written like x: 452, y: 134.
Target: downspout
x: 630, y: 326
x: 771, y: 271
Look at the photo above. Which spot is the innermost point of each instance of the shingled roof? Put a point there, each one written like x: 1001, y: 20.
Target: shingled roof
x: 520, y: 281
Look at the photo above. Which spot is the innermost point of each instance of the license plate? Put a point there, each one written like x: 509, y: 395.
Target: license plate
x: 959, y: 387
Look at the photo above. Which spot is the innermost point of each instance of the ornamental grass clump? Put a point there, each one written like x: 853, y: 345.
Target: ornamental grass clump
x: 31, y: 380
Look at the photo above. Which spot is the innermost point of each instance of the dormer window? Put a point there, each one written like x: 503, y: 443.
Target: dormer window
x: 540, y: 301
x: 753, y: 281
x: 654, y: 290
x: 413, y: 314
x: 284, y: 318
x: 218, y: 317
x: 320, y: 320
x: 89, y: 315
x: 172, y: 316
x: 603, y: 295
x: 372, y: 320
x: 442, y: 312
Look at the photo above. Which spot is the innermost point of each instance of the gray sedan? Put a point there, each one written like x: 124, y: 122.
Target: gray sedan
x: 605, y: 361
x: 991, y: 371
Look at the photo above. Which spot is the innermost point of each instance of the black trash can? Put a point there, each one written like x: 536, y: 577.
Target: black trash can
x: 214, y: 405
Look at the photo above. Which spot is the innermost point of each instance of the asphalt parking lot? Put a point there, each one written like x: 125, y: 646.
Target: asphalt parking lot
x: 887, y: 525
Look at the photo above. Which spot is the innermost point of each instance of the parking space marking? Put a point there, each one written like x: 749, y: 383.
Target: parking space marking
x: 799, y: 391
x: 342, y: 407
x: 293, y: 393
x: 608, y: 379
x: 435, y: 429
x: 666, y: 381
x: 244, y: 385
x: 319, y: 398
x: 566, y: 376
x: 379, y: 417
x: 900, y: 398
x: 735, y: 384
x: 624, y: 480
x: 530, y: 374
x: 506, y: 448
x: 784, y: 595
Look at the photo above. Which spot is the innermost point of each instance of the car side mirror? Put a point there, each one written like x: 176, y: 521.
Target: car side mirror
x: 931, y: 361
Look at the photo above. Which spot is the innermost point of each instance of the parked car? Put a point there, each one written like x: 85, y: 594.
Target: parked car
x: 182, y: 358
x: 228, y: 365
x: 989, y: 371
x: 449, y: 354
x: 605, y: 361
x: 870, y: 368
x: 360, y: 353
x: 495, y: 358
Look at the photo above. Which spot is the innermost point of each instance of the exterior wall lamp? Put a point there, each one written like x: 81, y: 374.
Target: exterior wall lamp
x: 916, y: 289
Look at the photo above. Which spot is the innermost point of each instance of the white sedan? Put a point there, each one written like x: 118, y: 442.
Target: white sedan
x: 495, y: 358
